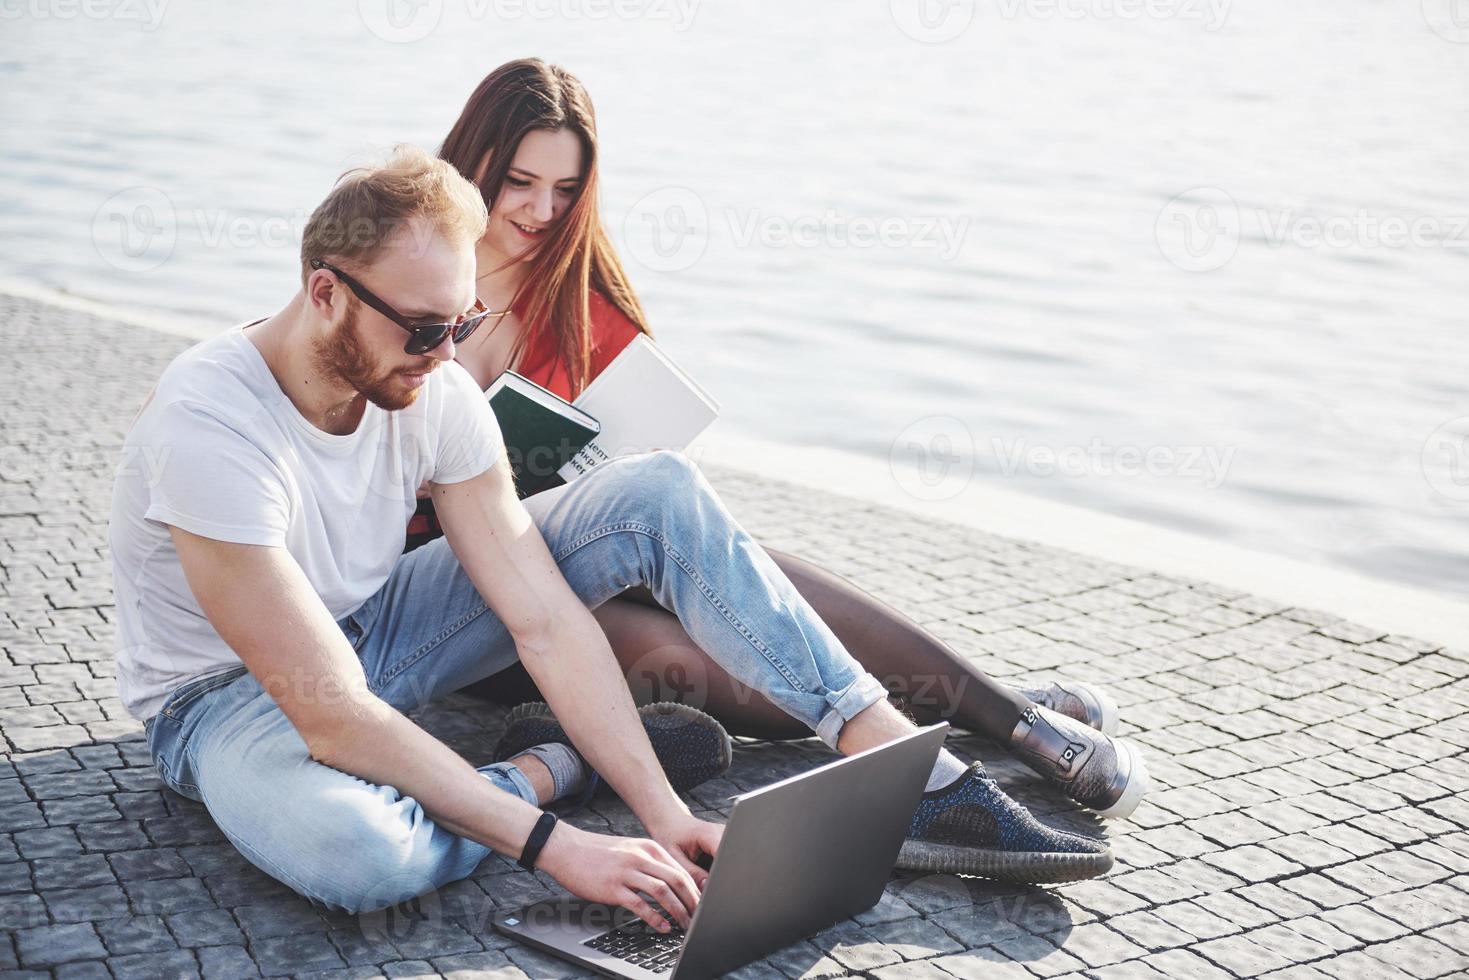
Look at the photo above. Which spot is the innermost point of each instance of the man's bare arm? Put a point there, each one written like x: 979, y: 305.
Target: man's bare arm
x: 261, y: 604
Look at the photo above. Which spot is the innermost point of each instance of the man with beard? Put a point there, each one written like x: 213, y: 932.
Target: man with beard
x: 272, y: 635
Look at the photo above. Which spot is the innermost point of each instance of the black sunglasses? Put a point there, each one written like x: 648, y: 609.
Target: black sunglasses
x: 425, y: 337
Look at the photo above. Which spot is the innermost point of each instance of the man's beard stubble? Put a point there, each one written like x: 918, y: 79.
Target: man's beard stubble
x: 343, y: 356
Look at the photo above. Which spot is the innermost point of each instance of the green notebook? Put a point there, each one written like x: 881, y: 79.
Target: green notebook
x: 542, y: 430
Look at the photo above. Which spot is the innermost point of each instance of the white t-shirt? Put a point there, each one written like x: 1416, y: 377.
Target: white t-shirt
x: 221, y: 452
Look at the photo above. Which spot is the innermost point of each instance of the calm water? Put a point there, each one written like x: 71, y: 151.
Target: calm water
x: 1207, y: 268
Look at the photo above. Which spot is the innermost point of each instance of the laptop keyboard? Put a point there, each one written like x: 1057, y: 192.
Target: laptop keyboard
x: 641, y: 945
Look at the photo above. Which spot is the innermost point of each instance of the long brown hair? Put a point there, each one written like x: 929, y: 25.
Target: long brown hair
x: 576, y: 256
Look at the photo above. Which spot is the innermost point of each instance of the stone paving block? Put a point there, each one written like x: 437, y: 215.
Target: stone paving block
x: 178, y: 963
x: 166, y: 895
x: 1358, y: 964
x: 1323, y: 932
x: 1149, y: 931
x: 916, y: 971
x: 1184, y: 964
x: 434, y: 938
x: 1321, y: 891
x: 466, y: 966
x: 135, y: 934
x: 45, y: 946
x: 1280, y: 902
x: 204, y: 927
x: 803, y: 959
x: 220, y: 962
x: 163, y: 862
x: 278, y: 919
x: 72, y: 872
x: 984, y: 964
x: 1242, y: 956
x: 913, y: 938
x: 1419, y: 956
x: 855, y: 948
x: 1096, y: 944
x: 85, y: 970
x: 295, y: 954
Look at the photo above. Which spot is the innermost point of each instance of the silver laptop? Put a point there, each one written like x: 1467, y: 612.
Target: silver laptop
x: 797, y: 856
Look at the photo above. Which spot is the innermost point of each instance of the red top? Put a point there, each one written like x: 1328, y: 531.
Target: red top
x: 611, y: 332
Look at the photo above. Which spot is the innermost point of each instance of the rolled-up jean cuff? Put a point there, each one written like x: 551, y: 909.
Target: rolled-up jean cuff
x: 511, y: 779
x: 850, y: 701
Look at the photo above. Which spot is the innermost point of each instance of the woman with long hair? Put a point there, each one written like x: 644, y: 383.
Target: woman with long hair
x: 527, y: 138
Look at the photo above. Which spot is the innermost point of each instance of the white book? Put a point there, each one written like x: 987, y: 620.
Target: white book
x: 644, y: 401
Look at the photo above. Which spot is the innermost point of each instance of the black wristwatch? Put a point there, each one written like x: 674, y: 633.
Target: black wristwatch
x: 537, y: 840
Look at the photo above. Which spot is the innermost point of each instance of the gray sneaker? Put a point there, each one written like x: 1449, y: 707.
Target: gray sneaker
x: 1078, y: 701
x: 1098, y: 771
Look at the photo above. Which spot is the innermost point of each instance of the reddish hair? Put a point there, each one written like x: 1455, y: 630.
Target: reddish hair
x: 576, y: 256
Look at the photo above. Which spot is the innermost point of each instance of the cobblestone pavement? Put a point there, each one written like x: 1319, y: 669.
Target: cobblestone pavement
x: 1310, y: 819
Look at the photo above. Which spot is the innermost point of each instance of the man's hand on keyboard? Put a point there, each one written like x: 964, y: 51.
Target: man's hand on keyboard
x: 613, y: 870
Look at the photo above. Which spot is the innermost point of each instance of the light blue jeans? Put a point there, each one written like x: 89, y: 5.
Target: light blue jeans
x: 344, y: 843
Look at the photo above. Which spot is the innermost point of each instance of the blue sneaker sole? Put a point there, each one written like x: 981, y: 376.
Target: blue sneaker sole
x: 692, y: 746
